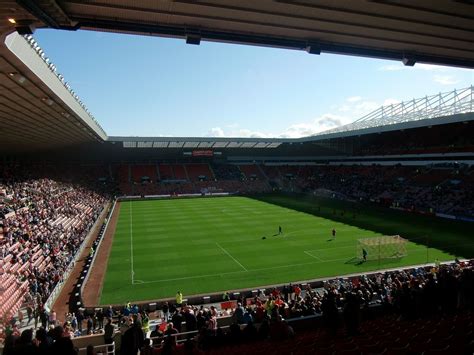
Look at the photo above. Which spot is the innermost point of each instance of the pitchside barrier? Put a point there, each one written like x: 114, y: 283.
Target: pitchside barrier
x: 168, y: 196
x: 385, y: 247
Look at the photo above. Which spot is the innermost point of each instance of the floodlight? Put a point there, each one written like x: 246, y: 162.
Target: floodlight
x: 409, y: 60
x: 193, y: 39
x: 313, y: 48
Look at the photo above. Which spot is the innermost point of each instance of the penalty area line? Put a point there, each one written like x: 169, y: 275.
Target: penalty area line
x: 241, y: 271
x: 313, y: 256
x: 225, y: 251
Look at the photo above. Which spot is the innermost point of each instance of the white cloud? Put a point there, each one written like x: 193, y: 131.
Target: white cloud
x: 344, y: 108
x: 326, y: 121
x: 423, y: 67
x: 247, y: 133
x: 216, y: 132
x: 391, y: 67
x: 390, y: 102
x: 430, y: 67
x: 241, y: 133
x: 445, y: 79
x: 354, y: 98
x: 366, y: 106
x: 353, y: 109
x: 233, y: 125
x: 420, y: 66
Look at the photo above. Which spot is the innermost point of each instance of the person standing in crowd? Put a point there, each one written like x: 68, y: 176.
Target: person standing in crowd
x: 166, y: 310
x: 36, y: 315
x: 109, y: 312
x: 29, y: 313
x: 133, y: 338
x: 44, y: 318
x: 177, y: 319
x: 90, y: 324
x: 179, y: 298
x: 80, y: 319
x: 109, y: 331
x: 74, y: 322
x: 100, y: 318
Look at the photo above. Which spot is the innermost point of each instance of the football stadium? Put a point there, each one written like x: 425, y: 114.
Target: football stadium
x: 357, y: 239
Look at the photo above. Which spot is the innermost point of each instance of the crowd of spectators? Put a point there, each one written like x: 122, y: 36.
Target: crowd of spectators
x: 447, y: 190
x: 340, y: 303
x: 43, y: 224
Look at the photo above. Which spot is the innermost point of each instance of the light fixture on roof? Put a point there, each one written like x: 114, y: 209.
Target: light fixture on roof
x: 193, y: 37
x: 313, y: 48
x: 24, y: 27
x: 409, y: 60
x: 47, y: 101
x: 18, y: 77
x: 12, y: 21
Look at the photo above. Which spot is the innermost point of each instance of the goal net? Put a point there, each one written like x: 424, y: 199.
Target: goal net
x: 389, y: 246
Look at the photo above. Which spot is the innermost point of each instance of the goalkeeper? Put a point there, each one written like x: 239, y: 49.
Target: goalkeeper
x: 364, y: 254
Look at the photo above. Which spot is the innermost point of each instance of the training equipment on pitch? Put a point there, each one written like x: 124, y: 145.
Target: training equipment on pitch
x: 384, y: 247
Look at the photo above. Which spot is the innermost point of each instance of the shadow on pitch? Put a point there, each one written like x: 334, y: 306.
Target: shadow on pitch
x: 358, y: 261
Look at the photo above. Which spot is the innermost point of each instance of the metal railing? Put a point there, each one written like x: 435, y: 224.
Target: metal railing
x: 59, y: 286
x: 105, y: 349
x: 108, y: 216
x: 440, y: 105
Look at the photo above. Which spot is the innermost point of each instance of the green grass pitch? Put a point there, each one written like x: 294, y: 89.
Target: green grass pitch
x: 204, y: 245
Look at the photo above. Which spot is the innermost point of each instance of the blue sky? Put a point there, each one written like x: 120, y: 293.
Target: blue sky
x: 152, y: 86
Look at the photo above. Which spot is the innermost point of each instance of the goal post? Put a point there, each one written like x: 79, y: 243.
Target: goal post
x: 385, y: 247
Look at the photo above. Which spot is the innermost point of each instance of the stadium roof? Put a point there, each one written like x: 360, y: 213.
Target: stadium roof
x: 200, y: 142
x: 437, y: 32
x: 38, y: 110
x: 448, y: 107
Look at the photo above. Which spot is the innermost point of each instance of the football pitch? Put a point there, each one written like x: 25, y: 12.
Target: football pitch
x: 204, y: 245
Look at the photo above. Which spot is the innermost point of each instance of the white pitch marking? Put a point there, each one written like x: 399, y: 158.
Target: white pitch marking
x: 313, y: 256
x: 236, y: 272
x: 131, y: 243
x: 225, y: 251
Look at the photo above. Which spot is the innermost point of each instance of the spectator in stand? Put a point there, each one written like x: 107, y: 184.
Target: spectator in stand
x: 90, y: 325
x: 133, y: 338
x: 179, y: 298
x: 169, y: 343
x: 147, y: 348
x: 177, y: 319
x: 52, y: 318
x: 109, y: 331
x: 239, y: 314
x: 44, y: 223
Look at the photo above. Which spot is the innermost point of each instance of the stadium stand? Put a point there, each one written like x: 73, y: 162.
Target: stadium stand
x: 43, y: 225
x: 199, y: 172
x: 416, y: 156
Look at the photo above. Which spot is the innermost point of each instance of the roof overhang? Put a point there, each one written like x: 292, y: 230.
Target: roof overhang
x: 199, y: 143
x: 463, y: 117
x: 436, y: 32
x: 37, y: 109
